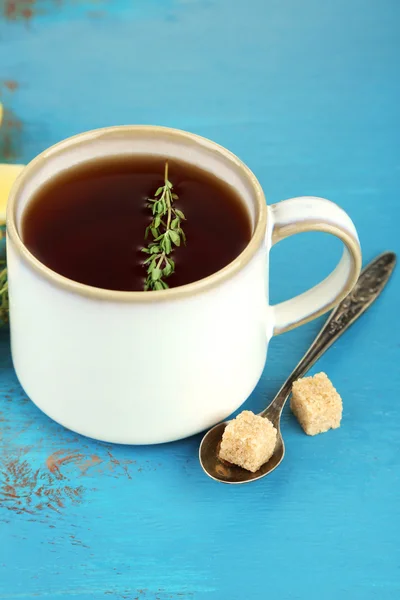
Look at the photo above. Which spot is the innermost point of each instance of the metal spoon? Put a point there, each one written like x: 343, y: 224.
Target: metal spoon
x: 368, y: 287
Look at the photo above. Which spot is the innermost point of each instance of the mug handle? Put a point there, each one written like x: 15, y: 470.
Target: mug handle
x: 315, y: 214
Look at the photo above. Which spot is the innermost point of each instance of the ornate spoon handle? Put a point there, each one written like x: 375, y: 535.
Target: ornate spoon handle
x: 368, y: 287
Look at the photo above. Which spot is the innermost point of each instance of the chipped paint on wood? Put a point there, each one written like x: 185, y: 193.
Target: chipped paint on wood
x: 27, y: 10
x: 61, y: 479
x: 14, y: 10
x: 58, y: 458
x: 11, y: 85
x: 89, y: 463
x: 24, y: 488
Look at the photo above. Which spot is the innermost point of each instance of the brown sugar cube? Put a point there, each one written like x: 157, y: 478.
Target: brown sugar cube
x: 248, y: 441
x: 316, y: 404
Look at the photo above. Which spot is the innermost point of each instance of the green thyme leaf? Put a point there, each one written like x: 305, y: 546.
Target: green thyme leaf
x: 166, y: 231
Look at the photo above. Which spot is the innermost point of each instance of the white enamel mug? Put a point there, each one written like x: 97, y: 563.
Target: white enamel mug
x: 84, y: 355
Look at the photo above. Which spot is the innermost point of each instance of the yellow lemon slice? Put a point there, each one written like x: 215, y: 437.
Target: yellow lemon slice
x: 8, y: 174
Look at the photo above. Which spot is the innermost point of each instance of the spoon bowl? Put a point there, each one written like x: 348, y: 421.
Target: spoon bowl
x: 368, y: 287
x: 221, y: 470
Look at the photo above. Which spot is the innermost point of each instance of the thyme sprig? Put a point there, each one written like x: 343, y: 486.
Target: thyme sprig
x: 166, y: 232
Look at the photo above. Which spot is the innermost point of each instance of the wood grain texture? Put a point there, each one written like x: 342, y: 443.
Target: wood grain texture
x: 307, y: 93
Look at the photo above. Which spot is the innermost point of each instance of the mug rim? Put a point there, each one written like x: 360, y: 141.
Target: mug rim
x: 202, y: 285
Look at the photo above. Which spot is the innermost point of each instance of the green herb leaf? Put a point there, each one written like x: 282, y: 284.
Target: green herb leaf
x: 167, y: 270
x: 156, y: 274
x: 166, y: 230
x: 167, y: 244
x: 182, y: 234
x: 174, y: 235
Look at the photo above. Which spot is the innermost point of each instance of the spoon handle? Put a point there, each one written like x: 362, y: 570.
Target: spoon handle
x: 368, y: 287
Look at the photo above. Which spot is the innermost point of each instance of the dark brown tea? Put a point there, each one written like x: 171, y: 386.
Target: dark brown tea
x: 88, y: 223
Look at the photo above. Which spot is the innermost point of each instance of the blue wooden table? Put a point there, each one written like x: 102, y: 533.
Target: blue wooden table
x: 308, y: 94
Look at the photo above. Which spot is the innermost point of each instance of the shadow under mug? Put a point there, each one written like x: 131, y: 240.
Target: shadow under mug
x: 82, y: 354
